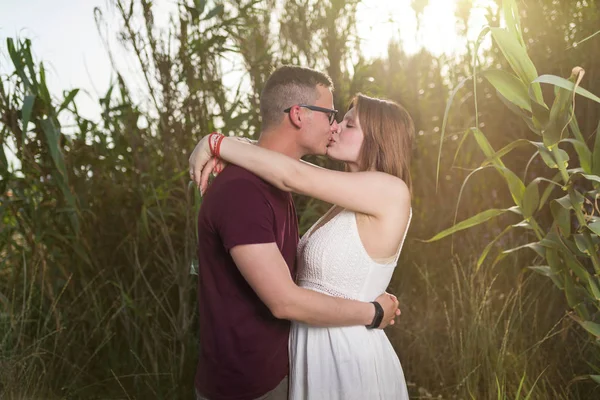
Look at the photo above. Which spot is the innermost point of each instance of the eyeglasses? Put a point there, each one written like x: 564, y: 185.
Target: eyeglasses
x: 332, y: 113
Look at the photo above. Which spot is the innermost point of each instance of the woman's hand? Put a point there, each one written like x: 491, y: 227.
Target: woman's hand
x: 214, y: 166
x: 202, y: 163
x: 389, y: 303
x: 199, y: 158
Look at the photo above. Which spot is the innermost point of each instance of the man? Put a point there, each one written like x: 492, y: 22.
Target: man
x: 248, y: 236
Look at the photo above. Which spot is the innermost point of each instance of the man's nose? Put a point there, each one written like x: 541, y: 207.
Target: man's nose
x: 334, y: 127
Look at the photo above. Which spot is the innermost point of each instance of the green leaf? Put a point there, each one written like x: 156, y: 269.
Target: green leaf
x: 517, y: 57
x: 537, y: 247
x: 595, y: 178
x: 570, y: 291
x: 552, y: 184
x: 591, y: 327
x: 515, y: 210
x: 576, y: 131
x: 574, y: 265
x: 28, y: 103
x: 509, y: 86
x: 3, y: 170
x: 546, y: 154
x: 595, y: 227
x: 543, y: 270
x: 594, y: 287
x: 511, y: 16
x: 589, y: 177
x: 193, y: 13
x: 468, y: 223
x: 68, y: 99
x: 581, y: 243
x: 518, y: 395
x: 596, y: 378
x: 562, y: 158
x: 576, y: 199
x: 596, y: 153
x: 523, y: 224
x: 485, y: 146
x: 548, y: 191
x: 28, y: 58
x: 507, y: 149
x: 521, y: 113
x: 553, y: 259
x: 27, y: 109
x: 44, y: 94
x: 568, y: 85
x: 215, y: 11
x: 200, y: 5
x: 555, y: 264
x: 552, y: 239
x: 565, y: 202
x: 515, y: 185
x: 489, y: 246
x: 16, y: 57
x: 583, y: 152
x: 562, y: 217
x: 541, y: 113
x: 60, y: 173
x: 531, y: 199
x: 52, y: 140
x: 554, y: 131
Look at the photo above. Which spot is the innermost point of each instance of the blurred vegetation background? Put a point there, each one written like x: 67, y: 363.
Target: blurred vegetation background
x: 97, y: 219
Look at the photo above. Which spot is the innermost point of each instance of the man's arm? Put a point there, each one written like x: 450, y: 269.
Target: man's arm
x: 265, y: 270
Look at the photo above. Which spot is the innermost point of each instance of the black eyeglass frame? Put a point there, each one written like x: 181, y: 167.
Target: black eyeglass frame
x: 332, y: 113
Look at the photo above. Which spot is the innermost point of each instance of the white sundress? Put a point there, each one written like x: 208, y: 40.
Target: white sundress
x: 343, y: 363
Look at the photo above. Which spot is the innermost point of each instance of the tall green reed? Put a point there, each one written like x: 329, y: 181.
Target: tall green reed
x: 566, y: 246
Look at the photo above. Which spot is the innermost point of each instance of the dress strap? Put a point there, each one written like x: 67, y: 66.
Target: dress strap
x: 403, y: 238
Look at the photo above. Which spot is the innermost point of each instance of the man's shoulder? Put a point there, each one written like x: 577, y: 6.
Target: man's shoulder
x: 237, y: 187
x: 238, y: 178
x: 233, y: 170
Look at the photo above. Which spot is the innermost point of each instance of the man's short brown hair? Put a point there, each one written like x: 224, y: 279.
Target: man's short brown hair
x: 289, y: 85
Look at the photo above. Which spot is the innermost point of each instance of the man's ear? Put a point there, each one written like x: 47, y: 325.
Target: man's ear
x: 295, y: 116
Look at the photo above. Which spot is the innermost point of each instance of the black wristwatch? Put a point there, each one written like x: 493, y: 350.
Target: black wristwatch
x: 378, y: 316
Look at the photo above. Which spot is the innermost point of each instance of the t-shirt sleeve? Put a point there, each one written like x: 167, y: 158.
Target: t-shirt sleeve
x: 244, y: 215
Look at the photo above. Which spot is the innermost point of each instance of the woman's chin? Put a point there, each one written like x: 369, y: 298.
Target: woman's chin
x: 329, y: 154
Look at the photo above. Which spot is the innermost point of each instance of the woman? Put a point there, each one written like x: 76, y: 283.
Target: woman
x: 351, y: 251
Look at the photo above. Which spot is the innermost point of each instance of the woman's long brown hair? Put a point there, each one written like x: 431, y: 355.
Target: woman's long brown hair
x: 389, y: 132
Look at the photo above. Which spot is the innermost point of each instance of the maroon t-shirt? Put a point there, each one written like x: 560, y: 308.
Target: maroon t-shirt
x: 243, y: 347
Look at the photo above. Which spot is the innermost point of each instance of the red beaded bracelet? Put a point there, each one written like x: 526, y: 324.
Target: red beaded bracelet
x: 213, y: 138
x: 217, y: 149
x: 210, y: 140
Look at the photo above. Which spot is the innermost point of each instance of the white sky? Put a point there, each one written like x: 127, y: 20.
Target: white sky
x: 65, y: 37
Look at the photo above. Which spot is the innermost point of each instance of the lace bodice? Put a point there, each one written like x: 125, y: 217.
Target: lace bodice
x: 333, y: 260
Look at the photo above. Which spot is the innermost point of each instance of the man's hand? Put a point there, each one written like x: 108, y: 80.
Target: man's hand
x: 389, y: 303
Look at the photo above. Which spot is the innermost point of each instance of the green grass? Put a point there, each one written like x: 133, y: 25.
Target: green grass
x: 97, y: 236
x: 466, y: 334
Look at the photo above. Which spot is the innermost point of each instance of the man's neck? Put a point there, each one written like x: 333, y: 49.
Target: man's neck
x: 281, y: 142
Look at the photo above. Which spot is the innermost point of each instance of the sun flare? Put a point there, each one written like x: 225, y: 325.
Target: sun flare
x: 437, y: 32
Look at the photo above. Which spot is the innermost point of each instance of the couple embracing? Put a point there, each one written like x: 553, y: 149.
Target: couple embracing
x: 256, y: 275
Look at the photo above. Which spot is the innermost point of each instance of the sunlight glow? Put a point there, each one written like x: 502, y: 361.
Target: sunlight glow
x: 438, y: 31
